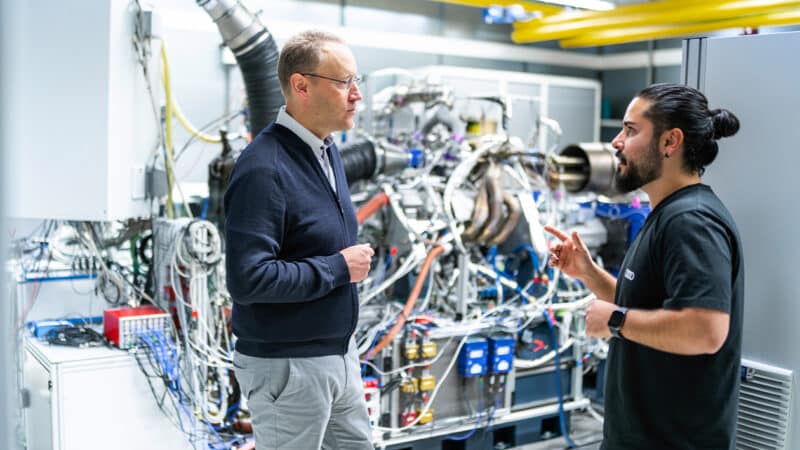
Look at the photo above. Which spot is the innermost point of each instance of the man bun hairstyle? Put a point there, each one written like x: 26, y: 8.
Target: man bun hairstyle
x: 686, y: 108
x: 725, y: 123
x: 302, y: 53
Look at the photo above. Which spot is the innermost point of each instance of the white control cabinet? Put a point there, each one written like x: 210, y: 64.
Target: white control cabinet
x: 92, y: 399
x: 80, y: 121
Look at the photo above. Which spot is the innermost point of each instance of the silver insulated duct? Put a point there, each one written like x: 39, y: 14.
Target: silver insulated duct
x: 257, y: 56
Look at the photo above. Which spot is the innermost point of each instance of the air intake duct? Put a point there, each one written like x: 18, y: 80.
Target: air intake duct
x: 257, y: 56
x: 366, y: 159
x: 359, y: 160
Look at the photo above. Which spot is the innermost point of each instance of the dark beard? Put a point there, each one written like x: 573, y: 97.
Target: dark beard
x: 646, y: 170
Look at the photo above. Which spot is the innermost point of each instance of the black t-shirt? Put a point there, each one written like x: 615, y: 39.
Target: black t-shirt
x: 688, y: 254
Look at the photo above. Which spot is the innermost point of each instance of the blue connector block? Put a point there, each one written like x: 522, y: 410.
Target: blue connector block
x: 417, y: 158
x: 40, y: 328
x: 473, y: 357
x: 501, y: 353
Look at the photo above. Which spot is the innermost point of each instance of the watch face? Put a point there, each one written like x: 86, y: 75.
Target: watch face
x: 616, y: 319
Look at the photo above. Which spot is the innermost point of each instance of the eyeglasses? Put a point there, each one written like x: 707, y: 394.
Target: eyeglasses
x: 347, y: 84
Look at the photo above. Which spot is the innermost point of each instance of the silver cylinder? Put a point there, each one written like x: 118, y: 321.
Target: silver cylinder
x: 590, y: 166
x: 237, y: 25
x: 391, y: 158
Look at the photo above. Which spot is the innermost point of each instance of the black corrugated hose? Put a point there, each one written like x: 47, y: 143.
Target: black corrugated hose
x: 259, y: 69
x: 359, y: 160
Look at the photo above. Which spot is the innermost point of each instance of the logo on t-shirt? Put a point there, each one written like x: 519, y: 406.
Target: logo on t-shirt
x: 629, y: 275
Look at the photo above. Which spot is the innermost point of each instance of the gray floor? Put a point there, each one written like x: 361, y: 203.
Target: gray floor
x: 585, y: 432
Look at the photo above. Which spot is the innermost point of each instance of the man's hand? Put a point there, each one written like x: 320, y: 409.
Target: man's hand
x: 597, y: 316
x: 358, y: 258
x: 570, y: 255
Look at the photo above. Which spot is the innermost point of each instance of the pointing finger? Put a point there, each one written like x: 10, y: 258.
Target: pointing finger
x: 556, y: 232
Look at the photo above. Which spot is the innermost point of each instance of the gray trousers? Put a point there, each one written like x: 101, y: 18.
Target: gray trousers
x: 305, y: 403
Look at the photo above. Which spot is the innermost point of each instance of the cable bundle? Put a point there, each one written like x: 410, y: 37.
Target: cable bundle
x: 160, y: 358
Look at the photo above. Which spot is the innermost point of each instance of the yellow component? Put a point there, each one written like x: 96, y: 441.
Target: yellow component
x: 576, y: 16
x: 474, y: 127
x: 689, y: 12
x: 412, y: 351
x: 427, y: 383
x: 169, y: 157
x: 428, y: 349
x: 635, y: 34
x: 167, y: 130
x: 410, y: 385
x: 172, y: 107
x: 527, y: 5
x: 190, y: 128
x: 427, y: 417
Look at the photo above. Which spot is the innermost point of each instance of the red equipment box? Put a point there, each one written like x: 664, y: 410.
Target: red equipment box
x: 123, y: 325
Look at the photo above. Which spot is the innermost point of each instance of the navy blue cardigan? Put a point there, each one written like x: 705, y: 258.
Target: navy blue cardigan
x: 285, y: 226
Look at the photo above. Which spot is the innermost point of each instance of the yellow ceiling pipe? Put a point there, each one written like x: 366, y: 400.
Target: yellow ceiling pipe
x: 560, y: 25
x: 529, y: 6
x: 636, y: 34
x: 689, y: 12
x: 711, y: 10
x: 575, y: 16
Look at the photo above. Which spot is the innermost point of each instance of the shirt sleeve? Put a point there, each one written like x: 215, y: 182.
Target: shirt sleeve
x: 697, y: 263
x: 255, y: 225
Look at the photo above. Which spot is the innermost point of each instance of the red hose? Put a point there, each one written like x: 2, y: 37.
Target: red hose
x: 377, y: 202
x: 412, y: 300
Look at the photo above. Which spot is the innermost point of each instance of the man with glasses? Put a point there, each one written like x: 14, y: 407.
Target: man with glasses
x: 292, y: 260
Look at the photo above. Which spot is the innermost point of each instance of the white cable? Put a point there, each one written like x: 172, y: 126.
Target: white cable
x: 595, y: 414
x: 547, y: 357
x: 415, y: 257
x: 193, y: 254
x: 424, y: 305
x: 409, y: 366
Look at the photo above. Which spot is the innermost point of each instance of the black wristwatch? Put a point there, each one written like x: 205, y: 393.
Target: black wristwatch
x: 616, y: 321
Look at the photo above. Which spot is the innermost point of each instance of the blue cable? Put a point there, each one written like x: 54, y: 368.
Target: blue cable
x: 189, y: 414
x: 561, y: 419
x: 171, y: 356
x: 165, y: 353
x: 179, y: 390
x: 205, y: 208
x: 148, y: 341
x: 469, y: 434
x: 233, y: 408
x: 531, y: 254
x: 165, y: 357
x: 382, y: 272
x: 491, y: 259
